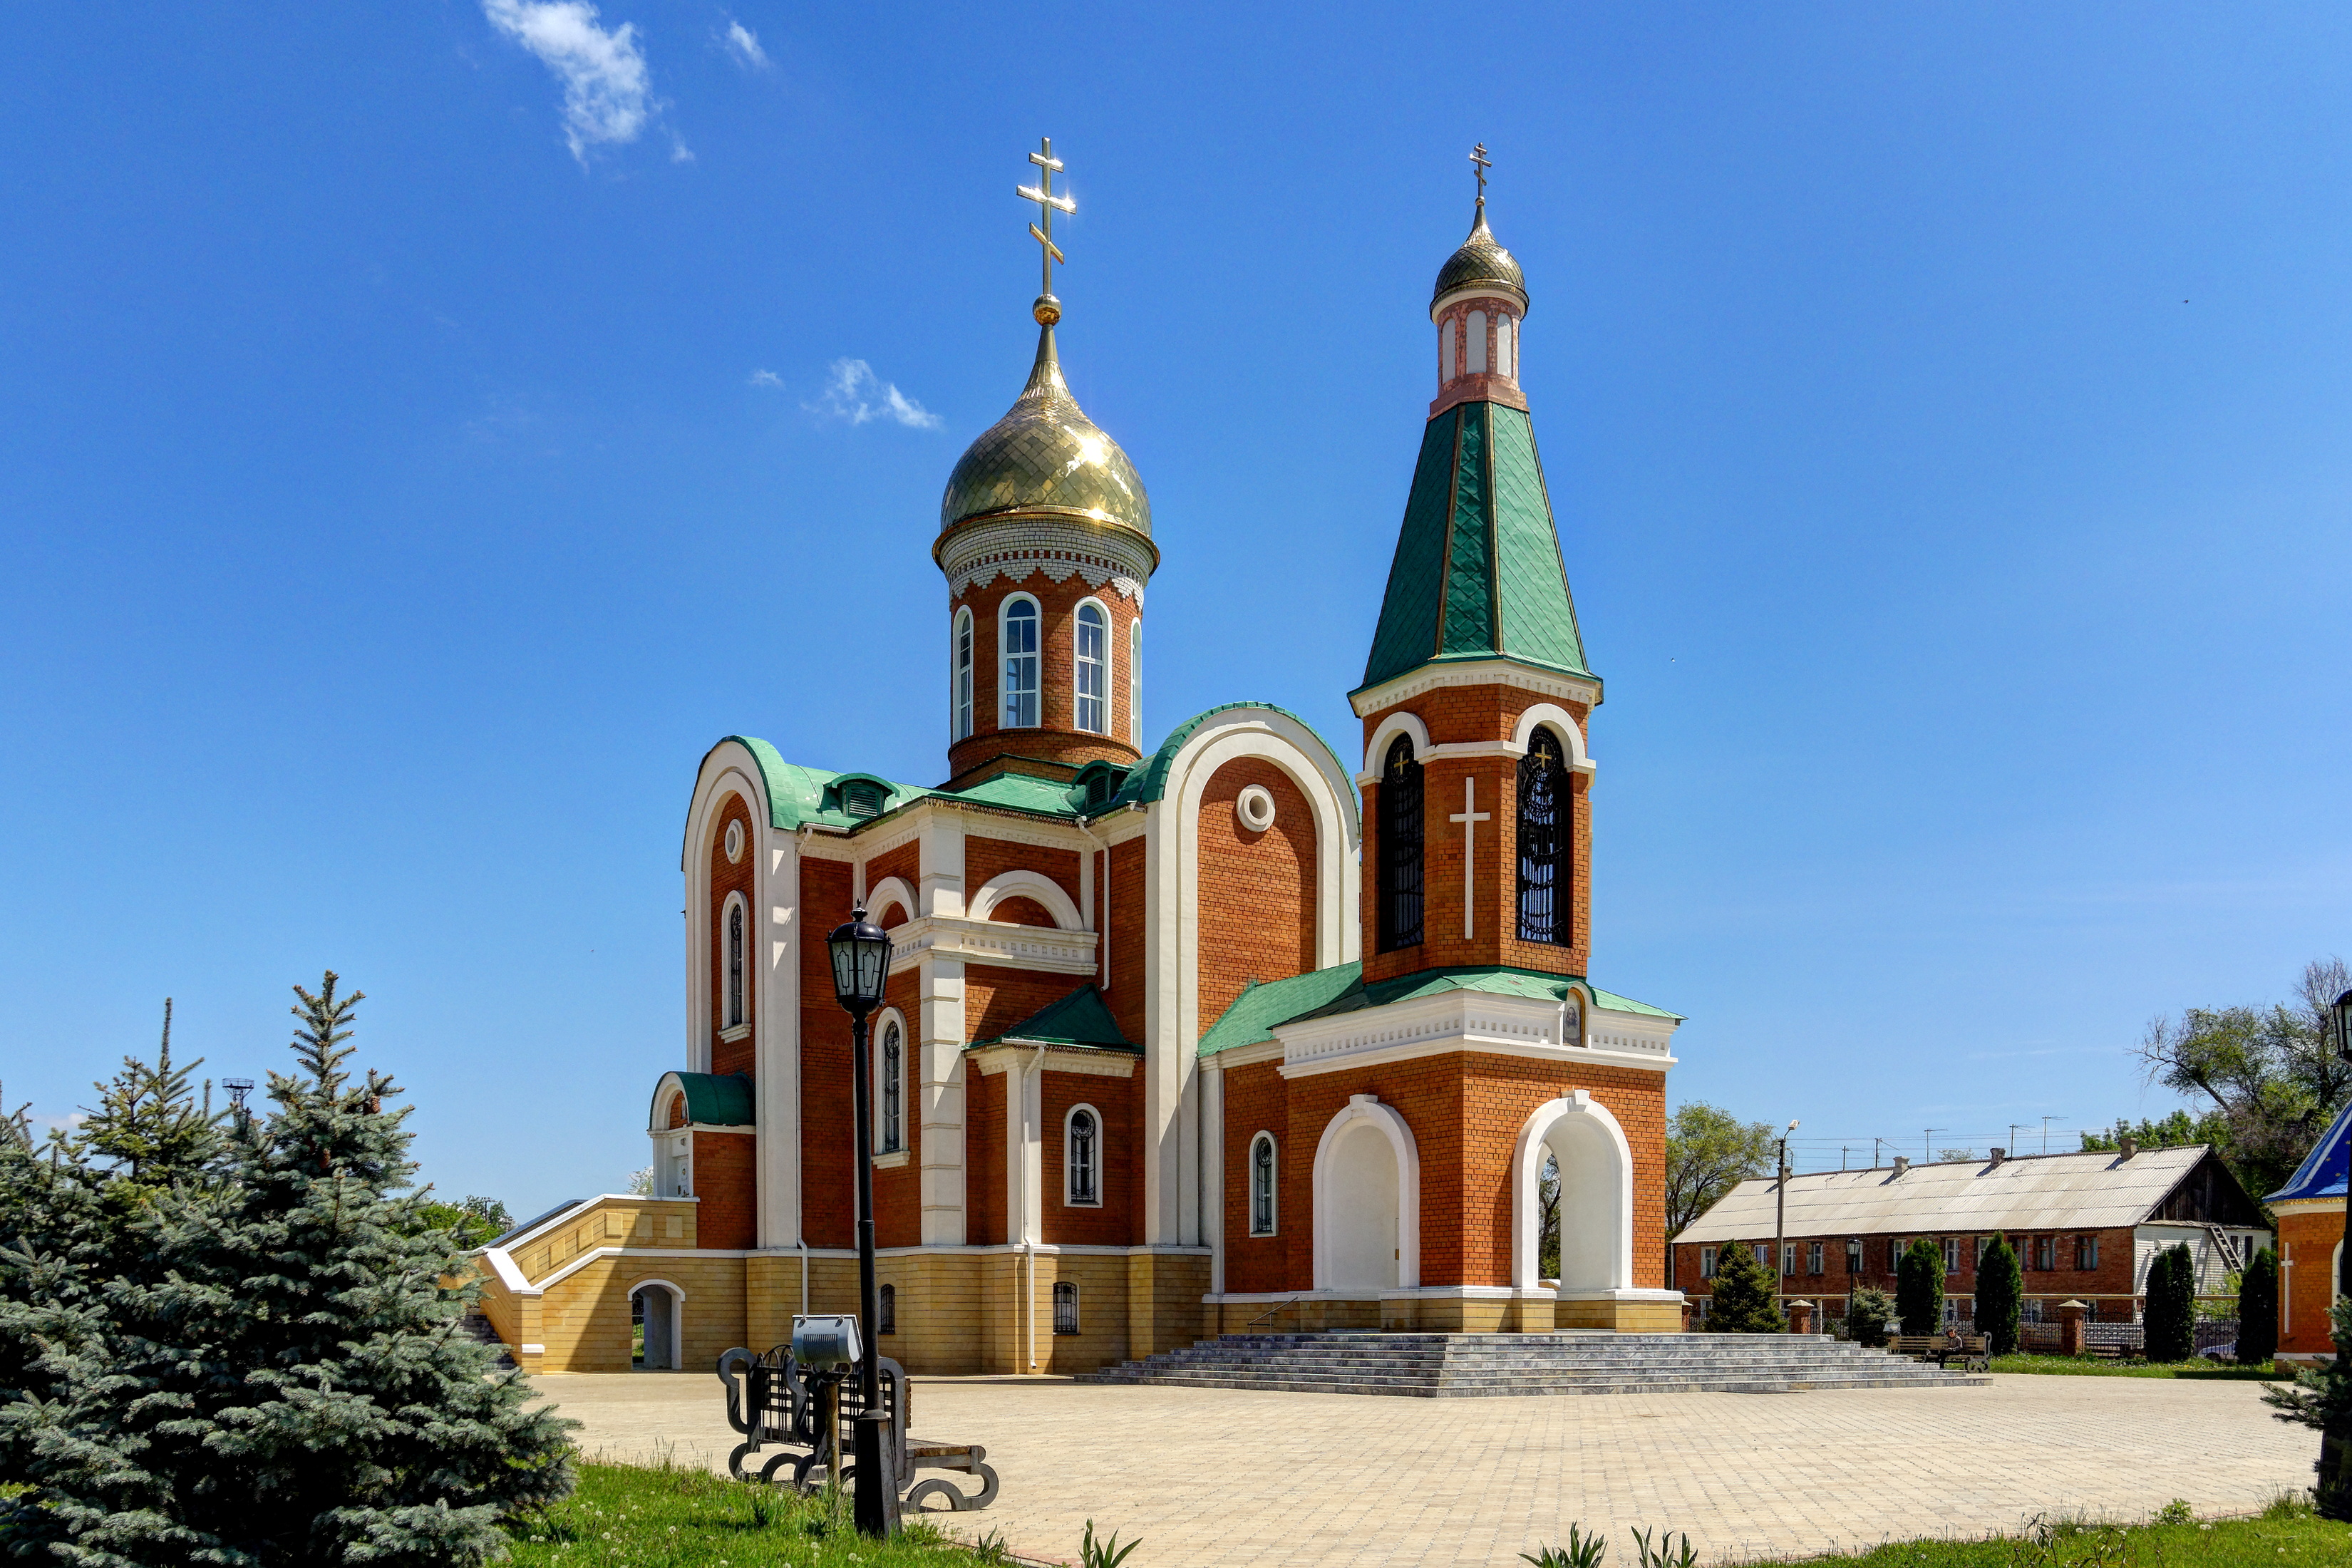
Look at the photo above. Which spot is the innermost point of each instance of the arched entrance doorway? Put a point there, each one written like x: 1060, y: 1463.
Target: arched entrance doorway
x: 1596, y: 1196
x: 1367, y: 1200
x: 657, y: 1326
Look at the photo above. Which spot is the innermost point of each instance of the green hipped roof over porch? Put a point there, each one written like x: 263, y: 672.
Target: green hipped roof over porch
x: 1477, y: 573
x: 1081, y: 1018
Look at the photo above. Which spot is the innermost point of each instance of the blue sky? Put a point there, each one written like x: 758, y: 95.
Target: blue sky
x: 404, y: 481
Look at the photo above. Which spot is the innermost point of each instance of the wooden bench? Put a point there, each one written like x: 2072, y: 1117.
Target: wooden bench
x: 1973, y: 1352
x: 1917, y: 1347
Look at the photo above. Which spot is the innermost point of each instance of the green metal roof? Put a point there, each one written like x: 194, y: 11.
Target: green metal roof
x: 1261, y: 1009
x: 717, y: 1100
x: 1477, y: 571
x: 1078, y: 1019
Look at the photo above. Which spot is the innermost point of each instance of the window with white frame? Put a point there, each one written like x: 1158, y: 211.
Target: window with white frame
x: 1763, y: 1254
x: 1017, y: 637
x: 2087, y: 1253
x: 1707, y: 1263
x: 1066, y: 1307
x: 1262, y: 1184
x: 1813, y: 1258
x: 734, y: 1005
x: 1092, y: 668
x: 1951, y: 1255
x: 959, y: 679
x: 1135, y: 682
x: 889, y: 1091
x: 1082, y: 1158
x: 1789, y: 1257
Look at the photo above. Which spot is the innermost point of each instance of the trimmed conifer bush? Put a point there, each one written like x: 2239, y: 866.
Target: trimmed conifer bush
x: 1870, y: 1314
x: 2258, y: 1310
x: 251, y: 1359
x: 1919, y: 1287
x: 1745, y: 1300
x: 2001, y: 1295
x: 2169, y: 1322
x: 2321, y: 1398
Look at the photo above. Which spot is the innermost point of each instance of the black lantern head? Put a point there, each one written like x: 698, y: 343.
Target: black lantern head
x: 861, y: 962
x: 2343, y: 1010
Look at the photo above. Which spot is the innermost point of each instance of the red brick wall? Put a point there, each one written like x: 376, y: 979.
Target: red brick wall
x: 1128, y: 935
x: 985, y: 859
x: 995, y: 999
x: 2112, y: 1278
x: 1257, y: 897
x: 1112, y: 1223
x: 897, y: 1190
x: 1022, y: 912
x: 2307, y: 1241
x: 1501, y: 1093
x: 983, y: 1156
x: 723, y: 1181
x: 1479, y: 715
x: 906, y: 861
x: 1428, y: 1093
x: 1054, y: 738
x: 1254, y: 1103
x: 827, y: 1154
x: 727, y: 878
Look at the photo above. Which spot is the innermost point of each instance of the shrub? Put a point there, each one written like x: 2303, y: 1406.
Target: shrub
x: 2170, y: 1320
x: 2258, y: 1310
x: 1919, y: 1287
x: 1869, y: 1315
x: 2321, y: 1398
x: 1746, y: 1300
x: 2001, y: 1295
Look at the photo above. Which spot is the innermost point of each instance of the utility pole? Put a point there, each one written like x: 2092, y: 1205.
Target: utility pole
x: 1844, y: 1150
x: 1781, y: 1224
x: 2012, y: 1137
x: 1876, y: 1145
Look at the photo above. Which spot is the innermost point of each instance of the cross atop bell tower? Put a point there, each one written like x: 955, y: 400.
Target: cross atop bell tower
x: 1047, y: 310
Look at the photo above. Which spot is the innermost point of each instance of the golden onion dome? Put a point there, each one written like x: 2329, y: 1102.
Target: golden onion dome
x: 1046, y: 456
x: 1480, y: 261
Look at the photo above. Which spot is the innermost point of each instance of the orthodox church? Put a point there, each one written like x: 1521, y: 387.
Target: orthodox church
x: 1178, y: 1040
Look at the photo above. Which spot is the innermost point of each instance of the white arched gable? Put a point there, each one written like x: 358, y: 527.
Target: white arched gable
x: 891, y: 891
x: 1560, y: 719
x: 1027, y: 884
x: 1364, y: 1110
x: 1395, y: 724
x: 1596, y: 1194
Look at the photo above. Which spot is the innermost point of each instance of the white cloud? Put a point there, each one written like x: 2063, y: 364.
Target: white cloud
x: 607, y: 91
x: 857, y: 395
x: 766, y: 378
x: 744, y: 45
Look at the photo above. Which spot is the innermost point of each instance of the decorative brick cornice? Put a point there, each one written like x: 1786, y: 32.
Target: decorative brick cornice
x: 977, y: 552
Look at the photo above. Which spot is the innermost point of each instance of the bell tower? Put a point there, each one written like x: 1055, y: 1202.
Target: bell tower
x: 1045, y: 540
x: 1476, y: 699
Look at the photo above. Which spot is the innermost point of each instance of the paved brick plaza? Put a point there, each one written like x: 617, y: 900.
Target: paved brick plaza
x: 1206, y: 1477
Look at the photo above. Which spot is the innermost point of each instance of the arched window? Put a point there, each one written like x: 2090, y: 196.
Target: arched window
x: 1066, y: 1307
x: 960, y: 686
x: 734, y: 963
x: 885, y: 1310
x: 1262, y: 1184
x: 1545, y: 907
x: 1135, y: 682
x: 1477, y: 345
x: 1093, y: 667
x: 1082, y: 1159
x: 1445, y: 329
x: 1401, y: 828
x: 892, y: 1100
x: 1503, y: 345
x: 1019, y: 641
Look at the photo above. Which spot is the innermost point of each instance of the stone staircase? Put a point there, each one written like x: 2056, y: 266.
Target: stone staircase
x: 474, y: 1326
x: 1471, y: 1366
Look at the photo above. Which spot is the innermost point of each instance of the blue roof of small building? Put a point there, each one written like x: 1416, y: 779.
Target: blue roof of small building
x: 2322, y: 1173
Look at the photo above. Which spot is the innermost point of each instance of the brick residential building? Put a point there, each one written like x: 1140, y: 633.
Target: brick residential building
x: 1157, y: 1060
x: 2310, y: 1210
x: 2085, y: 1227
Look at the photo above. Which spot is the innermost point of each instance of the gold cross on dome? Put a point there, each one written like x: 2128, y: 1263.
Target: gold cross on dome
x: 1048, y: 204
x: 1478, y: 156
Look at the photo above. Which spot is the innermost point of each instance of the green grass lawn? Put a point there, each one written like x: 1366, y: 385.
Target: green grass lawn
x: 2086, y: 1366
x: 2287, y: 1536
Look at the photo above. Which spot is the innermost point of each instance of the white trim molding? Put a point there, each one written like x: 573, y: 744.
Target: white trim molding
x: 1596, y: 1194
x: 1034, y: 885
x: 891, y: 891
x: 1069, y: 1167
x: 991, y: 942
x: 1426, y: 677
x: 1481, y: 1021
x: 1367, y: 1109
x: 676, y: 1320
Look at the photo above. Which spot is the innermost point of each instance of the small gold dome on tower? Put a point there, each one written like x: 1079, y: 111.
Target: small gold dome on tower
x: 1046, y: 456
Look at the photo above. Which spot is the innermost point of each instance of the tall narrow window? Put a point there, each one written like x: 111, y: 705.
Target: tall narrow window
x: 1544, y: 881
x: 1261, y: 1185
x: 1445, y: 331
x: 1066, y: 1307
x: 960, y: 693
x: 734, y: 963
x: 1094, y: 669
x: 885, y: 1310
x: 1135, y: 683
x: 1477, y: 344
x: 893, y: 1096
x: 1083, y: 1158
x: 1401, y: 829
x: 1020, y: 664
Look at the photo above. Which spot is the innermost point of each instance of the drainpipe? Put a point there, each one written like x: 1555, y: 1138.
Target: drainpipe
x: 804, y: 1277
x: 1029, y: 1242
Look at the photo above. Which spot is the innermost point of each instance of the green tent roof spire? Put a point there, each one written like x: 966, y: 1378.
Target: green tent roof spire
x: 1477, y: 571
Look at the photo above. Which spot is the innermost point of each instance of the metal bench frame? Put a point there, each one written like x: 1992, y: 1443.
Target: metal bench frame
x: 772, y: 1399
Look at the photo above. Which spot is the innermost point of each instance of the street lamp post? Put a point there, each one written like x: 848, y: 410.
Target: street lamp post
x: 861, y: 965
x: 1780, y: 1223
x: 2342, y: 1011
